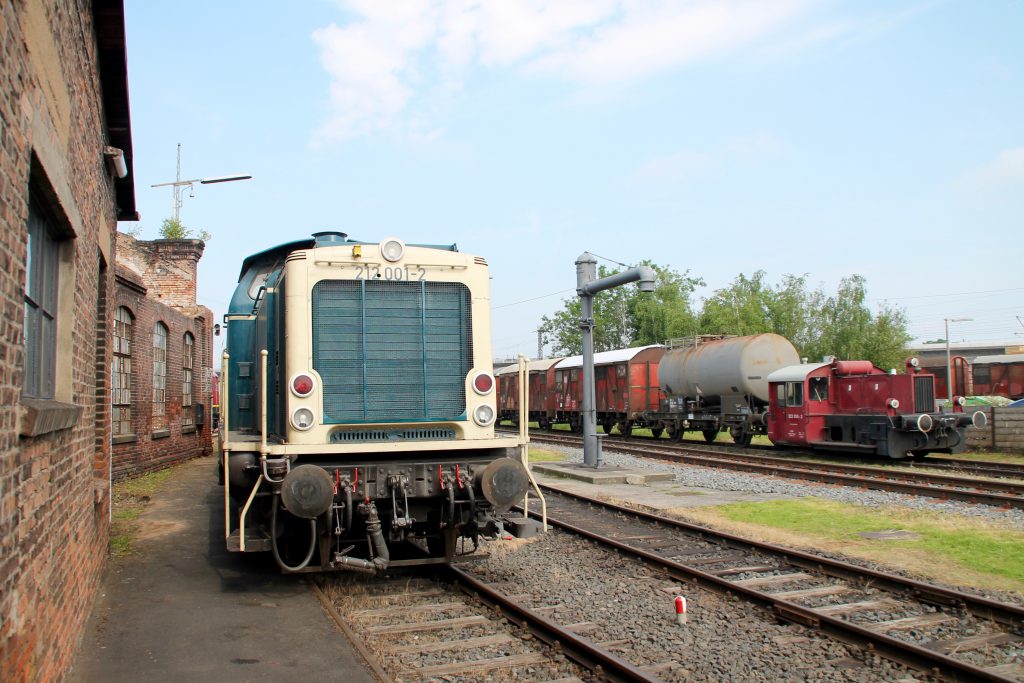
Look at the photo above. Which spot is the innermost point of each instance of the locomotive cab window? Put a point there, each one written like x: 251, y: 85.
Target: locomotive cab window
x: 795, y: 394
x: 780, y: 395
x: 817, y: 388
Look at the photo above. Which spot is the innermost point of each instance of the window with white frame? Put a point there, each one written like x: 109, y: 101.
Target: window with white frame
x: 187, y: 359
x: 121, y: 373
x: 159, y: 374
x: 41, y: 283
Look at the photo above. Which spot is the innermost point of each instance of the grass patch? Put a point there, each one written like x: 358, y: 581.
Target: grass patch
x: 987, y: 456
x: 129, y: 500
x: 544, y: 455
x: 950, y: 547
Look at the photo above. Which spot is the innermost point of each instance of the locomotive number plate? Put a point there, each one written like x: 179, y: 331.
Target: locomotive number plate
x: 393, y: 273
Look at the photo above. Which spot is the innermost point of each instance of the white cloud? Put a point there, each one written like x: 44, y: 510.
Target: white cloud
x: 1005, y: 173
x: 686, y: 165
x: 401, y: 56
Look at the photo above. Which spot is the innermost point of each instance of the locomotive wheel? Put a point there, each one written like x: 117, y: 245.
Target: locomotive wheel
x: 656, y: 432
x: 710, y: 435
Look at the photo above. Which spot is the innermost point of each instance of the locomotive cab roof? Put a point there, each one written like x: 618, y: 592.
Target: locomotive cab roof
x: 795, y: 373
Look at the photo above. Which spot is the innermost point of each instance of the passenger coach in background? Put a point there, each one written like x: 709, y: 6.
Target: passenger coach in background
x: 854, y: 406
x: 358, y: 406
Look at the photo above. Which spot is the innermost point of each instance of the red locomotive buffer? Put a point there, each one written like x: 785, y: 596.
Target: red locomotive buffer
x: 855, y: 406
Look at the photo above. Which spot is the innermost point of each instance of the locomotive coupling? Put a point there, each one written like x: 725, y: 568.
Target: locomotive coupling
x: 504, y: 482
x: 307, y: 491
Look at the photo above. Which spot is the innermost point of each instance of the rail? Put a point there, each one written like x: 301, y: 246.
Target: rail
x: 922, y: 658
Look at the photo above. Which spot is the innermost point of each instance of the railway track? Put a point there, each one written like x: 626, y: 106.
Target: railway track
x: 981, y: 468
x: 944, y: 633
x: 901, y: 480
x: 449, y: 627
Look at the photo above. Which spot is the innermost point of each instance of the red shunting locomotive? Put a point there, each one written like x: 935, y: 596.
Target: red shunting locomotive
x: 856, y: 406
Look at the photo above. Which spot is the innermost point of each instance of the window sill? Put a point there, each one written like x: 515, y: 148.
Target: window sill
x: 42, y: 416
x: 160, y: 434
x: 188, y: 429
x: 124, y: 438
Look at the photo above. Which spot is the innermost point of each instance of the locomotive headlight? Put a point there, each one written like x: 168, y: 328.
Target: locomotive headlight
x: 893, y: 403
x: 392, y: 249
x: 302, y: 385
x: 483, y: 415
x: 483, y: 383
x: 302, y: 419
x: 914, y: 362
x: 960, y: 401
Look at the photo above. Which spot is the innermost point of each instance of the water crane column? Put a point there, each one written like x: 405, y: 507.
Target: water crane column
x: 587, y: 285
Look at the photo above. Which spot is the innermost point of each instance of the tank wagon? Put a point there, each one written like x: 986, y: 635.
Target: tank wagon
x: 358, y: 406
x: 857, y: 407
x: 720, y: 383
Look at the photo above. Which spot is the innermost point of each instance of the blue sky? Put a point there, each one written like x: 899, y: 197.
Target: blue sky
x: 717, y: 136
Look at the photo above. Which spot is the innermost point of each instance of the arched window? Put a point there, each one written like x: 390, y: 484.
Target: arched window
x: 159, y: 375
x: 187, y: 359
x: 121, y: 373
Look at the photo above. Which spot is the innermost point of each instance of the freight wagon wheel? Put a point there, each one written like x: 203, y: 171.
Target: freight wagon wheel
x: 607, y: 426
x: 710, y: 434
x: 545, y: 424
x: 626, y: 428
x: 576, y: 426
x: 656, y: 432
x: 675, y: 433
x: 741, y: 436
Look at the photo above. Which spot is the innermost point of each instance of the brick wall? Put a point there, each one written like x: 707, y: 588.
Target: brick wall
x: 54, y: 499
x: 158, y: 442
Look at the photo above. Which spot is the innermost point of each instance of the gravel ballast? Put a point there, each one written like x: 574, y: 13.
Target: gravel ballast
x: 724, y: 639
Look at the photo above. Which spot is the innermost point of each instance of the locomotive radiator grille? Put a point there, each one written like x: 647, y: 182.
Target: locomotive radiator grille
x: 924, y: 395
x: 392, y: 351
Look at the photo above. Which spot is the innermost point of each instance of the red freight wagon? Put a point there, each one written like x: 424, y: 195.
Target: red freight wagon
x: 539, y: 400
x: 1001, y: 375
x: 626, y: 388
x: 855, y: 406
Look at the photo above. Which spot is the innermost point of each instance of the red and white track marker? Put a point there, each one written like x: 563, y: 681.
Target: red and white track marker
x: 680, y: 610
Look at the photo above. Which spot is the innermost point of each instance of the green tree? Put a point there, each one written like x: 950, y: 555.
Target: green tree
x: 817, y: 323
x: 174, y: 229
x: 846, y: 328
x: 667, y: 312
x: 624, y: 317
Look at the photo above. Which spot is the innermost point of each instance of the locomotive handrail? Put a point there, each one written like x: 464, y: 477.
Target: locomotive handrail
x: 224, y: 403
x: 245, y: 509
x: 524, y: 441
x: 263, y: 403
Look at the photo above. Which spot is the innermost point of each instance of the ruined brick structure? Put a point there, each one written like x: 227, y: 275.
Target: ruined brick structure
x: 156, y: 285
x: 63, y: 110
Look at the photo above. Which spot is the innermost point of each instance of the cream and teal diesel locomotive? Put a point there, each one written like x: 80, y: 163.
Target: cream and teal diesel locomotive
x: 358, y: 430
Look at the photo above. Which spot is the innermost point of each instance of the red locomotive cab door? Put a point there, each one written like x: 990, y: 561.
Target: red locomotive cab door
x: 795, y: 411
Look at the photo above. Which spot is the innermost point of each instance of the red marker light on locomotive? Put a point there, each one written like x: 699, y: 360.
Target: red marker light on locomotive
x: 483, y: 383
x: 302, y: 385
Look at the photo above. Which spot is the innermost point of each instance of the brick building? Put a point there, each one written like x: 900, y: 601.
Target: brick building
x: 162, y: 365
x: 63, y: 187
